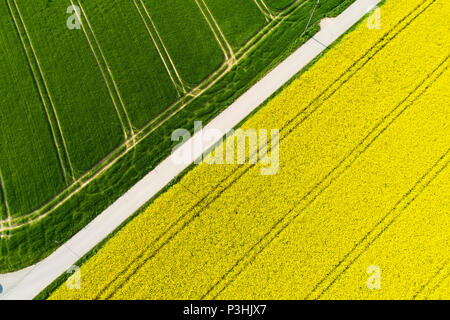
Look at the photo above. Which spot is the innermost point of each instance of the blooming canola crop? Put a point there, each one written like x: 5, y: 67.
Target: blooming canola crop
x: 363, y: 180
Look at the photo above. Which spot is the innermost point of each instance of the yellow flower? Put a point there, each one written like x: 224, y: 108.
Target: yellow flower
x: 363, y: 181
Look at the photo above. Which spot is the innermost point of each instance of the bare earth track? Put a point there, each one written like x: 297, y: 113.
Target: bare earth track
x: 25, y: 284
x: 133, y: 137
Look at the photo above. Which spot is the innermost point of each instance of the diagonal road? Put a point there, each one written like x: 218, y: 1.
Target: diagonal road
x: 27, y: 283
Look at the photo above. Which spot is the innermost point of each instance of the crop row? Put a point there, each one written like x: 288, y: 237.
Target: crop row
x: 278, y: 4
x: 247, y: 20
x: 30, y: 169
x: 30, y: 243
x: 91, y: 83
x: 343, y: 167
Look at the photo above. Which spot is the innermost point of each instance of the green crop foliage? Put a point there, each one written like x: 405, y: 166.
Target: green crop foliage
x: 238, y: 19
x: 30, y: 172
x: 109, y: 87
x: 278, y: 4
x: 87, y: 115
x: 187, y: 36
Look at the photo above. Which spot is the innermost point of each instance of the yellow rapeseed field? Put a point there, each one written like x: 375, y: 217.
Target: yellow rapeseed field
x: 359, y: 208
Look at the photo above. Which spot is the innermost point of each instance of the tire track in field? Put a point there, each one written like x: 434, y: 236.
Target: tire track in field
x: 439, y: 282
x: 217, y: 32
x: 264, y: 10
x: 267, y: 29
x: 433, y: 283
x: 104, y: 69
x: 298, y: 6
x: 219, y: 74
x: 432, y: 173
x: 184, y: 220
x: 107, y: 162
x: 179, y: 86
x: 383, y: 42
x: 312, y: 195
x: 378, y: 230
x: 5, y: 203
x: 116, y: 89
x: 44, y: 94
x: 123, y: 108
x: 160, y: 47
x: 438, y: 285
x: 275, y: 10
x: 162, y: 43
x: 385, y: 223
x: 316, y: 292
x: 268, y: 9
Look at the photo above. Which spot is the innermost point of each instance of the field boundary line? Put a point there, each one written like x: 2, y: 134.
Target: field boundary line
x: 174, y: 69
x: 44, y: 94
x: 127, y: 131
x: 217, y: 32
x: 179, y: 86
x: 141, y: 135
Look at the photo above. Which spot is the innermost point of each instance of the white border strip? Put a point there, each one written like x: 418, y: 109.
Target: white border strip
x: 27, y: 283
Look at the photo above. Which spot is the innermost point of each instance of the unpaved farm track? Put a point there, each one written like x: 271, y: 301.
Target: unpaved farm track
x: 27, y: 283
